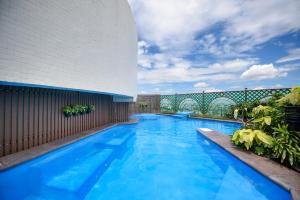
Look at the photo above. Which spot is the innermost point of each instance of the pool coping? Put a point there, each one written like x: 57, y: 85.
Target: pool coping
x: 222, y: 120
x: 18, y: 158
x: 206, y: 118
x: 283, y: 176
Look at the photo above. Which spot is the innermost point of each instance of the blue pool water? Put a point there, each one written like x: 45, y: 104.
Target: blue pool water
x: 159, y: 158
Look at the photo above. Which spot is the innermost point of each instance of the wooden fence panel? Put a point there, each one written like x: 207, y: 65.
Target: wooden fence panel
x: 33, y: 116
x: 2, y: 117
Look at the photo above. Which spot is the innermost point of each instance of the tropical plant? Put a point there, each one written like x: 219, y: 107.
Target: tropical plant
x: 89, y: 108
x: 286, y: 146
x: 243, y: 110
x: 266, y: 117
x: 77, y: 109
x: 273, y: 100
x: 68, y: 111
x: 292, y: 98
x: 248, y: 138
x: 266, y: 131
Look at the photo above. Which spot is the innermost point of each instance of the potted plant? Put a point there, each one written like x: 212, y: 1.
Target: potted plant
x: 89, y: 108
x: 68, y: 111
x: 291, y: 103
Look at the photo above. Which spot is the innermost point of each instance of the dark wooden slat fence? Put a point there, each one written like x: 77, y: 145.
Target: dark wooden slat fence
x: 33, y: 116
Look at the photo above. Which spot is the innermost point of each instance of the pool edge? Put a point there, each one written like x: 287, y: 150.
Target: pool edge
x: 205, y: 118
x: 13, y: 160
x: 283, y: 176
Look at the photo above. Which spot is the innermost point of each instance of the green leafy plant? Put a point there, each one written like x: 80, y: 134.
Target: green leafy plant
x: 243, y: 111
x: 68, y: 111
x: 89, y: 108
x: 265, y: 131
x: 77, y: 109
x: 286, y: 146
x: 248, y: 138
x: 292, y: 98
x: 266, y: 117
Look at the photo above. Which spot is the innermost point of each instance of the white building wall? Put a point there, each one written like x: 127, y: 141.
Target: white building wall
x: 81, y: 44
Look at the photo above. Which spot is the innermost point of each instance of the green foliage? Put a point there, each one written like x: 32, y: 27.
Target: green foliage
x: 248, y: 138
x: 243, y: 110
x: 292, y: 98
x: 91, y: 108
x: 286, y: 146
x: 68, y: 111
x: 265, y: 131
x: 77, y: 109
x: 266, y: 117
x: 273, y: 100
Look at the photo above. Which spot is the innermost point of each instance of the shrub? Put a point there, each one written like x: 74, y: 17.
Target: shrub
x: 249, y: 138
x: 77, y: 109
x: 292, y: 98
x: 265, y: 131
x: 286, y: 146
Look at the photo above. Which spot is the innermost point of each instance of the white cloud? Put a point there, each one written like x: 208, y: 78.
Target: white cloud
x: 259, y: 88
x: 260, y: 72
x: 174, y: 24
x: 264, y: 87
x: 278, y: 86
x: 201, y: 85
x: 180, y: 28
x: 213, y: 90
x: 294, y: 54
x: 181, y: 70
x: 158, y: 91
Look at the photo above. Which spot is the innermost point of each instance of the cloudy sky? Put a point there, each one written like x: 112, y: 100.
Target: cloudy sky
x: 212, y: 45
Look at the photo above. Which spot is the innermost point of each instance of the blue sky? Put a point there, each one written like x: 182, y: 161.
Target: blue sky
x: 214, y: 45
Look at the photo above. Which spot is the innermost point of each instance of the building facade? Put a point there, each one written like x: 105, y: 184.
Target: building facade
x: 55, y: 54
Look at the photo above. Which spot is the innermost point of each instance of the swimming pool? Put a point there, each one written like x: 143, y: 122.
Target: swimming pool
x: 161, y: 157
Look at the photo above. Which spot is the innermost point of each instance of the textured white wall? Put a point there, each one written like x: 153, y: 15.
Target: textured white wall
x: 82, y: 44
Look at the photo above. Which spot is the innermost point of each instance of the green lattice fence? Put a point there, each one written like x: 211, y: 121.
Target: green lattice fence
x: 214, y: 103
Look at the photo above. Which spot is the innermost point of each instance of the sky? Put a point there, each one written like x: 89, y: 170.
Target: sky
x: 189, y: 46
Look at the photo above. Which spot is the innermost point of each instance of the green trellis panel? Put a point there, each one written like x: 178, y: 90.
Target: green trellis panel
x: 205, y: 99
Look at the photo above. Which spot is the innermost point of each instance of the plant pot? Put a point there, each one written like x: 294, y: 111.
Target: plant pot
x: 292, y: 117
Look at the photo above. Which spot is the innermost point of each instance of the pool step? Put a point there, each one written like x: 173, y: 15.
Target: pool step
x: 74, y: 177
x: 81, y: 176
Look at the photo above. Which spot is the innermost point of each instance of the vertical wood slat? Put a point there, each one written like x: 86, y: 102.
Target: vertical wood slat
x: 59, y: 116
x: 41, y: 117
x: 49, y: 118
x: 7, y: 122
x: 20, y: 120
x: 33, y: 116
x: 14, y: 110
x: 31, y: 119
x: 2, y: 117
x: 55, y: 116
x: 25, y: 118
